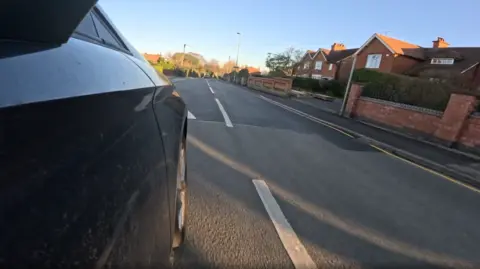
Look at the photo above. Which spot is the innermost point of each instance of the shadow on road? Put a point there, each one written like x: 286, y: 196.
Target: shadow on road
x: 324, y: 229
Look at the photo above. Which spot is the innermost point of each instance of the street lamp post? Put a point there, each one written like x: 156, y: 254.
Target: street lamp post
x: 238, y: 47
x: 183, y: 55
x: 238, y: 51
x: 349, y: 84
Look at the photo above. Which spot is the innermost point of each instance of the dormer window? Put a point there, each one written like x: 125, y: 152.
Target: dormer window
x: 442, y: 61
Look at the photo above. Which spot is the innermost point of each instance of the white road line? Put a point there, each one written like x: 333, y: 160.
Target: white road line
x: 305, y: 115
x: 211, y: 89
x: 190, y: 116
x: 224, y: 113
x: 295, y: 249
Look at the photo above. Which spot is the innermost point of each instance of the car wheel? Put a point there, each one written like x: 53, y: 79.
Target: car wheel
x: 181, y: 198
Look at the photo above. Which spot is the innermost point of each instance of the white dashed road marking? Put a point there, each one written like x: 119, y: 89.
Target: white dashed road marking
x: 295, y: 249
x: 190, y: 116
x: 224, y: 113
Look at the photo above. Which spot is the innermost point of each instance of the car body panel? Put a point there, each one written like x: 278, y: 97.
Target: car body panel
x: 171, y: 114
x: 83, y: 176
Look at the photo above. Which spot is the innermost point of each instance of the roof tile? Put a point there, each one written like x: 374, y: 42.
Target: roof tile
x: 402, y: 47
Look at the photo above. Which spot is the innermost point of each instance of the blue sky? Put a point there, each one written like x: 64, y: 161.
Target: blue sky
x: 209, y: 27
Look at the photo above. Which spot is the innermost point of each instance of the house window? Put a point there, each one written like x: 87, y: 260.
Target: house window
x: 317, y: 76
x: 318, y: 65
x: 330, y: 67
x: 442, y: 61
x: 306, y: 65
x: 373, y: 60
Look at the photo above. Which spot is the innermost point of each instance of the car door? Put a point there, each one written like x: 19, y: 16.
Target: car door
x: 82, y: 164
x: 170, y: 113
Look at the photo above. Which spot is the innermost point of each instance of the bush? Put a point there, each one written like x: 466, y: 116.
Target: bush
x: 333, y: 87
x: 366, y: 75
x: 407, y: 90
x: 159, y: 68
x: 277, y: 74
x: 180, y: 72
x: 243, y: 73
x: 307, y: 84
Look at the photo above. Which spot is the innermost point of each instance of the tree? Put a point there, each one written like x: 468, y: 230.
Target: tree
x: 212, y: 66
x: 189, y: 61
x: 284, y: 61
x: 168, y: 56
x: 228, y: 66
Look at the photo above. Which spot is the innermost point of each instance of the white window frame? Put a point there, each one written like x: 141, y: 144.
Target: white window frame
x: 373, y: 61
x: 442, y: 61
x: 318, y: 65
x: 306, y: 65
x: 330, y: 67
x: 316, y: 76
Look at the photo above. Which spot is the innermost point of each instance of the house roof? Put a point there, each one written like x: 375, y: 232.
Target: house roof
x: 253, y: 70
x: 464, y: 58
x: 335, y: 56
x: 401, y: 47
x: 152, y: 57
x: 396, y: 46
x: 311, y: 53
x: 320, y: 50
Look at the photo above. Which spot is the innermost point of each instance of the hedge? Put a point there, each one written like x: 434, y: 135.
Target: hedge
x: 330, y: 87
x: 406, y: 90
x: 366, y: 75
x: 308, y: 84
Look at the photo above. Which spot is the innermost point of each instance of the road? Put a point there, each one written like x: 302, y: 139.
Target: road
x: 271, y: 188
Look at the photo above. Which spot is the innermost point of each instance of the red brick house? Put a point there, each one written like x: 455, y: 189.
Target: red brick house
x: 324, y: 63
x: 454, y: 63
x: 253, y: 70
x: 320, y: 64
x: 152, y: 58
x: 304, y: 67
x: 338, y: 62
x: 387, y: 54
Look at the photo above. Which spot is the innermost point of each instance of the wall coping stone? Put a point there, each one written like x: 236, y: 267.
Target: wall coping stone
x: 403, y: 106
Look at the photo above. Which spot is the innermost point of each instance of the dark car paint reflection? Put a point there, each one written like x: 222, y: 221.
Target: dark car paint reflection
x: 86, y: 176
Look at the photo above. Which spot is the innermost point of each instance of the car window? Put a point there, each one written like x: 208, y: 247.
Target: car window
x: 105, y: 33
x: 86, y: 27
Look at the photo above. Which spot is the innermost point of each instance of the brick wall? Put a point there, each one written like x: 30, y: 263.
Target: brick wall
x: 402, y: 64
x: 398, y: 116
x: 281, y: 84
x: 455, y: 125
x: 471, y: 134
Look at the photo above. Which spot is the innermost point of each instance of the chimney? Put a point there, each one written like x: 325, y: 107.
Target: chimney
x: 440, y: 43
x: 338, y: 46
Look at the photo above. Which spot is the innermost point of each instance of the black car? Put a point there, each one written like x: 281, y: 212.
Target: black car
x: 92, y: 144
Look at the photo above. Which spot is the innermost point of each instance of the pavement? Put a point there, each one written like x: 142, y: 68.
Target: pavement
x: 464, y: 166
x: 272, y: 186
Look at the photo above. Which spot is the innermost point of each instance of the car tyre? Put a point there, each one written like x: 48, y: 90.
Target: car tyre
x: 181, y: 198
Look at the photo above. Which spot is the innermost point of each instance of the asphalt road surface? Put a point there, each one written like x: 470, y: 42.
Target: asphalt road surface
x: 271, y: 188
